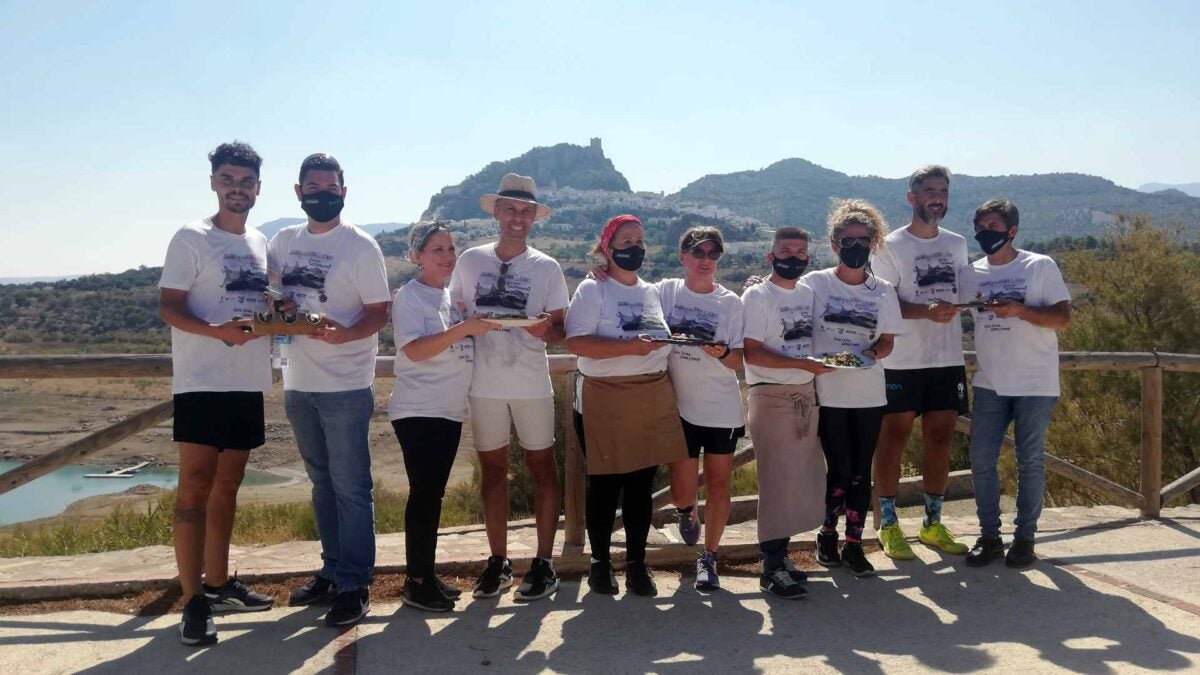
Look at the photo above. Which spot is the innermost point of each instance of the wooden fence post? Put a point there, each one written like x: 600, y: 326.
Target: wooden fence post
x: 1152, y: 415
x: 573, y: 472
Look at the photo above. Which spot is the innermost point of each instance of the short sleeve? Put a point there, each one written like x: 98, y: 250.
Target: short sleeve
x: 408, y: 318
x: 556, y: 290
x: 583, y: 315
x: 1053, y: 289
x: 754, y: 315
x: 370, y: 276
x: 737, y: 322
x: 182, y: 264
x: 883, y: 264
x: 275, y: 254
x: 890, y: 309
x: 456, y: 279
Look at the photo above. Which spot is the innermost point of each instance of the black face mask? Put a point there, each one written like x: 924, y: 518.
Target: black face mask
x: 629, y: 258
x: 322, y: 206
x: 789, y: 268
x: 991, y: 241
x: 854, y: 257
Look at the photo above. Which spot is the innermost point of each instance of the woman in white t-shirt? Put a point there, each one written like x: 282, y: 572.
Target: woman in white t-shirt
x: 434, y: 355
x: 627, y: 418
x: 855, y: 312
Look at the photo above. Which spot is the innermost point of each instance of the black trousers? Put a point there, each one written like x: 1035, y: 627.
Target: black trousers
x: 848, y: 437
x: 634, y: 492
x: 429, y: 445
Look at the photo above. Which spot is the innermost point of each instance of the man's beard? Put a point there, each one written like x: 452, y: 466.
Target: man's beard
x: 929, y: 218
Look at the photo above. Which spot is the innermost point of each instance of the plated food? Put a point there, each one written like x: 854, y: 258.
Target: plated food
x: 846, y: 360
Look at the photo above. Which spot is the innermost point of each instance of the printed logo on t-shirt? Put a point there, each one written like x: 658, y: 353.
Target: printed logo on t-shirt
x: 631, y: 317
x: 244, y: 283
x: 934, y: 277
x: 694, y: 321
x: 496, y: 293
x: 848, y: 320
x: 795, y: 323
x: 307, y: 269
x: 998, y: 290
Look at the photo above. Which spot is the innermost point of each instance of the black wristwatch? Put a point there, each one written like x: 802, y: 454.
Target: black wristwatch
x: 728, y: 351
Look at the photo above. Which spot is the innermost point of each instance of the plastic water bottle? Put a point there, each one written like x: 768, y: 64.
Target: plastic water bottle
x: 279, y: 351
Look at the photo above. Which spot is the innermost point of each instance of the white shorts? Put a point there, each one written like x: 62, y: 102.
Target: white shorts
x: 492, y: 420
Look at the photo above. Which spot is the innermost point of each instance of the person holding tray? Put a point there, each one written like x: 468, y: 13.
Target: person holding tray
x: 435, y: 351
x: 783, y: 409
x: 626, y: 416
x: 855, y: 312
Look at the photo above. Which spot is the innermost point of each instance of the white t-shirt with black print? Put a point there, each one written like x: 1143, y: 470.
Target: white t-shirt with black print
x: 782, y: 320
x: 509, y: 362
x: 850, y: 319
x: 708, y: 393
x: 437, y: 386
x: 611, y: 309
x: 924, y: 271
x: 333, y: 273
x: 1016, y: 358
x: 225, y: 276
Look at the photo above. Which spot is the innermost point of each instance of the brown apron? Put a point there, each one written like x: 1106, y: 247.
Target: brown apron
x: 631, y: 422
x: 791, y: 467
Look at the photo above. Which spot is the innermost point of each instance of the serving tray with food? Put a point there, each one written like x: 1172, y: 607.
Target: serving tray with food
x: 846, y: 361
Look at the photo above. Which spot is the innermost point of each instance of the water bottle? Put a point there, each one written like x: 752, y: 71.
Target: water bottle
x: 279, y: 351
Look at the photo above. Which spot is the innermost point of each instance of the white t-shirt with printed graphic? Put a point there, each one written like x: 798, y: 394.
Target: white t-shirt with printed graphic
x: 225, y: 276
x: 333, y: 273
x: 708, y: 393
x: 437, y: 386
x: 850, y: 319
x: 611, y: 309
x: 924, y: 271
x: 1016, y: 358
x: 782, y: 320
x: 509, y: 362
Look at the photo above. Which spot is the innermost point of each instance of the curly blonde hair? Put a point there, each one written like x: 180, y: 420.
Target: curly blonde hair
x: 846, y: 212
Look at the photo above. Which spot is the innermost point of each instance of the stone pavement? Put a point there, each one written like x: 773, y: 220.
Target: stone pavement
x: 1112, y: 593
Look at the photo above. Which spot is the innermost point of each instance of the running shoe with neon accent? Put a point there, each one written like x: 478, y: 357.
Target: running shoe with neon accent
x: 937, y: 536
x: 895, y: 544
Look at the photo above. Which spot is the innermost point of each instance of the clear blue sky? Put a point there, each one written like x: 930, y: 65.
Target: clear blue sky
x: 107, y: 113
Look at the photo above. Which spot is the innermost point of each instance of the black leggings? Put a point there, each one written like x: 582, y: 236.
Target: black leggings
x: 429, y: 445
x: 634, y: 491
x: 848, y: 437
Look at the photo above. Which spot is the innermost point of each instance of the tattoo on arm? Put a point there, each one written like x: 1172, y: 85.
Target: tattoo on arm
x: 188, y: 516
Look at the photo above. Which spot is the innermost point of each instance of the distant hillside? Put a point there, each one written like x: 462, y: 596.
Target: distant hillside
x: 270, y: 227
x: 559, y: 166
x: 1190, y: 189
x: 797, y: 192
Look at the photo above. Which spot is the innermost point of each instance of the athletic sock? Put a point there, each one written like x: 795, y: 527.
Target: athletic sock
x: 887, y: 511
x: 933, y: 509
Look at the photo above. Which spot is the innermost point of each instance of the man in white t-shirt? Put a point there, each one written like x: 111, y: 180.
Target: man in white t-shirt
x: 511, y: 382
x: 333, y: 268
x: 925, y: 373
x: 1023, y: 301
x: 215, y: 276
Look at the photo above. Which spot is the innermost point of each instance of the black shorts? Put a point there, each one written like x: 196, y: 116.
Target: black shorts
x: 713, y: 440
x: 923, y: 390
x: 225, y: 420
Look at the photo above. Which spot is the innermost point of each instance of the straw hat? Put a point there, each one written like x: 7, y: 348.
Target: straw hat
x: 517, y: 188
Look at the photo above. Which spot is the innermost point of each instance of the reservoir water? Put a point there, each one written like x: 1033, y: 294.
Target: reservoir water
x: 52, y: 493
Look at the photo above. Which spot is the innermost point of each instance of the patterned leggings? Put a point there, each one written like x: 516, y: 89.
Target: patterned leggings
x: 848, y: 437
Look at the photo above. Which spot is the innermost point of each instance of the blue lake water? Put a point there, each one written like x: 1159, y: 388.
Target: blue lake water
x: 52, y: 493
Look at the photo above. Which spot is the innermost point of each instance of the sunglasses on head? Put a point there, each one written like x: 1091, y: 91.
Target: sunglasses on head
x: 713, y: 255
x: 850, y: 242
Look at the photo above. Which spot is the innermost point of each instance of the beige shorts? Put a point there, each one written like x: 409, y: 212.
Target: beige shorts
x: 492, y: 420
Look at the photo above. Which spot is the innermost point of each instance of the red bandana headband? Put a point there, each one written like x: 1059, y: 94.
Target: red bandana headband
x: 613, y: 225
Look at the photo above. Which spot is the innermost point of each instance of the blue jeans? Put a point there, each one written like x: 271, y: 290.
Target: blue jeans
x: 331, y: 431
x: 990, y: 417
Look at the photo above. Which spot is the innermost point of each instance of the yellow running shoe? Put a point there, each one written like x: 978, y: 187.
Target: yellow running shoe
x: 894, y: 544
x: 937, y: 536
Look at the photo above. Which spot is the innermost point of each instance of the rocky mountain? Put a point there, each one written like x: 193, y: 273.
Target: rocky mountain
x: 797, y: 192
x: 559, y: 166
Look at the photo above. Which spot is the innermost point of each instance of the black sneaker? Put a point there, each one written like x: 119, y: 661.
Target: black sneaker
x: 317, y: 591
x: 236, y: 596
x: 827, y: 549
x: 601, y: 578
x: 349, y: 608
x: 854, y: 558
x: 1020, y: 554
x: 495, y: 579
x: 426, y: 595
x: 539, y: 583
x: 797, y: 575
x: 449, y: 591
x: 780, y: 583
x: 196, y: 627
x: 639, y: 581
x: 986, y: 550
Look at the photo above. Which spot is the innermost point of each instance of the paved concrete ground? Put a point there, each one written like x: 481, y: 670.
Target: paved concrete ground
x: 1113, y: 594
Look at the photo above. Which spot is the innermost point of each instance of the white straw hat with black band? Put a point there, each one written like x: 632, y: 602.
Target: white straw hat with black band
x: 517, y: 188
